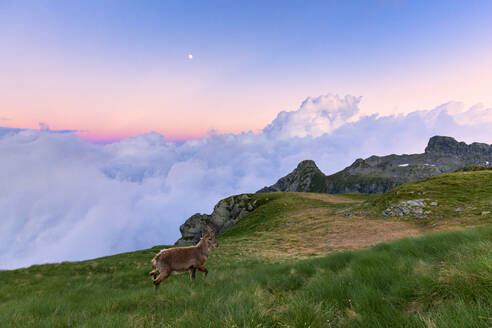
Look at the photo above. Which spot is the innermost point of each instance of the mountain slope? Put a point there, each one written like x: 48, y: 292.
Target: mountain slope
x: 441, y: 280
x: 297, y: 224
x: 462, y: 198
x: 380, y: 174
x: 310, y: 224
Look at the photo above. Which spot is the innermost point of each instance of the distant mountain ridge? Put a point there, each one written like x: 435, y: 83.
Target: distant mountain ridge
x: 378, y: 174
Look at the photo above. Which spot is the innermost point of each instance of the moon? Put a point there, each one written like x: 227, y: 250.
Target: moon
x: 190, y: 56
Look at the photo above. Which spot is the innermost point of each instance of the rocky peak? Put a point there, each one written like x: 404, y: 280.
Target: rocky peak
x: 447, y: 146
x: 307, y: 165
x: 444, y: 145
x: 305, y: 177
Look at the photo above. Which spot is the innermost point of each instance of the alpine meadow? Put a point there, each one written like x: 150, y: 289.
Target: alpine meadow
x: 246, y: 164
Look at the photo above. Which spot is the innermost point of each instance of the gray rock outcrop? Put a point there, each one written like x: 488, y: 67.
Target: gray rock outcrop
x: 305, y: 177
x: 226, y: 213
x: 413, y: 207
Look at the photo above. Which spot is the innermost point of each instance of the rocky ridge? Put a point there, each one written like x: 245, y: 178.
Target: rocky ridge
x: 305, y: 177
x: 226, y: 213
x: 378, y: 174
x: 371, y: 175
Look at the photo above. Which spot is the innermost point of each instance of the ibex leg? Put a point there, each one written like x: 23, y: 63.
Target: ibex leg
x: 202, y: 269
x: 192, y: 272
x: 154, y: 273
x: 162, y: 276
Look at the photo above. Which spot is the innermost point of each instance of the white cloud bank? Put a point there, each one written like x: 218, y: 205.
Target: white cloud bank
x: 62, y: 198
x: 315, y: 117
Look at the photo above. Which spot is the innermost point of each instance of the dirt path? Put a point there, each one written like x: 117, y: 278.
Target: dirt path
x: 318, y: 231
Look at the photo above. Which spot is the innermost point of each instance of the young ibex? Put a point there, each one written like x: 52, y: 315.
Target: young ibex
x: 182, y: 259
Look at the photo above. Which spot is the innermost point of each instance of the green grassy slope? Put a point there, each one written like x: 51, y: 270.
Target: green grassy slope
x: 463, y: 198
x: 292, y: 224
x: 258, y: 278
x: 441, y: 280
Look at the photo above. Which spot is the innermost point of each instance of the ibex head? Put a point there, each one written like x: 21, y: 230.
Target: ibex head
x: 209, y: 237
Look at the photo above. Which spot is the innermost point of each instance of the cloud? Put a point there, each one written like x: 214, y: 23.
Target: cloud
x: 63, y: 198
x: 6, y: 131
x: 315, y: 117
x: 46, y: 127
x: 477, y: 114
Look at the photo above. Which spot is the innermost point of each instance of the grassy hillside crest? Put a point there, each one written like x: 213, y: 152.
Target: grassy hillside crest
x: 460, y: 198
x: 298, y: 260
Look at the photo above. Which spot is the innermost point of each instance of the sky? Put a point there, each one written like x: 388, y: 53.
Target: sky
x: 113, y: 69
x: 112, y: 135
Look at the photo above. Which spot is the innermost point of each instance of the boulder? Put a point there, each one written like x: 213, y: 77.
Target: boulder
x: 413, y: 207
x: 226, y: 213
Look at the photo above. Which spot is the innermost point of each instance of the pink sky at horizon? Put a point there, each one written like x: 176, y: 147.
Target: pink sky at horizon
x: 187, y: 111
x: 111, y: 74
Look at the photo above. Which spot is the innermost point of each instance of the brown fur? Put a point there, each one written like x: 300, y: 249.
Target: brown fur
x: 183, y: 259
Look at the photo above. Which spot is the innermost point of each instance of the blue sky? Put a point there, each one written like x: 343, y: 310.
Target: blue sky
x: 66, y: 62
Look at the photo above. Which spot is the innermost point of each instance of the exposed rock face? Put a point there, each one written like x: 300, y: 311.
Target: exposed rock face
x: 380, y: 174
x: 306, y: 177
x: 226, y: 213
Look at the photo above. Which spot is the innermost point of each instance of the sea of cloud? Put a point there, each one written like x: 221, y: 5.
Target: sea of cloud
x: 63, y: 198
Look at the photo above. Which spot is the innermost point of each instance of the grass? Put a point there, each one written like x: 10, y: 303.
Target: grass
x: 290, y: 263
x: 439, y: 280
x: 280, y: 204
x: 300, y: 225
x: 474, y: 168
x: 463, y: 198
